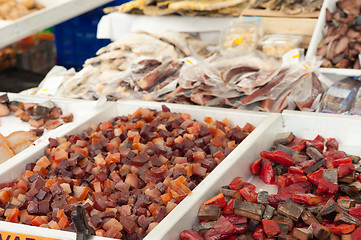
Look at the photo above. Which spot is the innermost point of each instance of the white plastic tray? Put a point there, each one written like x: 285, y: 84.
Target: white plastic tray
x: 345, y: 129
x: 317, y: 37
x: 12, y: 169
x: 9, y: 124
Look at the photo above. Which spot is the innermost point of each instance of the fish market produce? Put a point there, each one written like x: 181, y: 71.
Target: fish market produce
x: 243, y: 82
x: 340, y: 97
x: 249, y: 82
x: 177, y: 68
x: 356, y: 108
x: 39, y: 115
x: 128, y: 173
x: 152, y: 56
x: 318, y: 196
x: 215, y: 8
x: 341, y: 43
x: 15, y: 143
x: 287, y: 6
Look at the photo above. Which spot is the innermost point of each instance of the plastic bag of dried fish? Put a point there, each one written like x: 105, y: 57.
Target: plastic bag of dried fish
x: 144, y: 77
x: 356, y: 108
x: 340, y: 96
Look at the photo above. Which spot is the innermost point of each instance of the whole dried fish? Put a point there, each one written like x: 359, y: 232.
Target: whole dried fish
x: 288, y: 6
x: 182, y: 7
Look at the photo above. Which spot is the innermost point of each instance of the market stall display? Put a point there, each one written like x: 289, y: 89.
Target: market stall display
x: 295, y: 165
x: 24, y: 120
x: 162, y: 168
x: 127, y: 70
x: 214, y: 8
x: 341, y: 44
x: 304, y: 126
x: 336, y: 28
x: 161, y: 157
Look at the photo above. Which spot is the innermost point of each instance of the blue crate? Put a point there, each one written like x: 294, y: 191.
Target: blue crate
x: 76, y: 40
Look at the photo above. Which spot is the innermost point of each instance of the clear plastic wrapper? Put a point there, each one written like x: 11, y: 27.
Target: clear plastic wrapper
x: 241, y: 36
x: 278, y: 44
x: 340, y: 96
x: 356, y: 108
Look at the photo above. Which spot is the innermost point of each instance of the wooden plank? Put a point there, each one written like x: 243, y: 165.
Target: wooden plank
x: 271, y: 13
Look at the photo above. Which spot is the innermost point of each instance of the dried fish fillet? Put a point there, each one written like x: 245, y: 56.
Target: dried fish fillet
x: 203, y: 5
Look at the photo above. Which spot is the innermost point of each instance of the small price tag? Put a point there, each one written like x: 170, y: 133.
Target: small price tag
x: 17, y: 236
x: 238, y: 41
x: 50, y: 86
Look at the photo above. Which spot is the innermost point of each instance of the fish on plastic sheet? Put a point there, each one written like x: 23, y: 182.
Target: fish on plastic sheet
x: 249, y: 83
x: 144, y: 76
x: 158, y: 74
x: 260, y: 93
x: 132, y: 46
x: 356, y: 107
x: 340, y: 96
x: 312, y: 88
x: 237, y: 72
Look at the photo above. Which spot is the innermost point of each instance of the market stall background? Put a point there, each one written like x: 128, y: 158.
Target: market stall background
x: 69, y: 43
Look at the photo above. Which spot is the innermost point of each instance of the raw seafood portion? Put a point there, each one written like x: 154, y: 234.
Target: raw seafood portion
x: 318, y: 196
x: 128, y: 173
x: 15, y: 143
x: 341, y: 44
x: 182, y: 7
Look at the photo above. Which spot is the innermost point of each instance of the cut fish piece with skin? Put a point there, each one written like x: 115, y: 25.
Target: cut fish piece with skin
x: 316, y: 89
x: 158, y: 74
x: 166, y: 86
x: 230, y: 73
x: 22, y: 145
x: 179, y: 91
x: 281, y: 103
x: 201, y: 97
x: 261, y: 91
x: 3, y: 139
x: 5, y: 152
x: 18, y: 136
